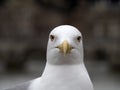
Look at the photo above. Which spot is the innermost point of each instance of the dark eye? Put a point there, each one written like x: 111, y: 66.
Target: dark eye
x: 78, y: 38
x: 52, y: 37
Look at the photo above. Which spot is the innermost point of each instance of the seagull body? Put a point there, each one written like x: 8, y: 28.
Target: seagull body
x: 71, y: 79
x: 65, y: 69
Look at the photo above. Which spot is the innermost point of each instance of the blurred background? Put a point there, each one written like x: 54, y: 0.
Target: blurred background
x: 24, y: 30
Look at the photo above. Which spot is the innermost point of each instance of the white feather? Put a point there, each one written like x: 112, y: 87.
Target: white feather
x: 64, y: 72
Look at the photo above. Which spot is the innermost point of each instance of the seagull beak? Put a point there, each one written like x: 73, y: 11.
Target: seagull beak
x: 65, y: 47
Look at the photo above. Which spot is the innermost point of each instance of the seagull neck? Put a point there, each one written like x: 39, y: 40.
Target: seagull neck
x: 65, y: 69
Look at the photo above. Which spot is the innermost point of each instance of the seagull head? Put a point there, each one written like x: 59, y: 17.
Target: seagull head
x: 65, y: 46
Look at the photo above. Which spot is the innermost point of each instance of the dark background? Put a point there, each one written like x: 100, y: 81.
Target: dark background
x: 24, y: 30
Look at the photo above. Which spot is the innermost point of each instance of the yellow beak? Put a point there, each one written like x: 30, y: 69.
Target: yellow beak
x: 65, y: 47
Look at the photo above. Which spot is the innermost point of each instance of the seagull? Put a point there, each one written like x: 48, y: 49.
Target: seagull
x: 65, y: 69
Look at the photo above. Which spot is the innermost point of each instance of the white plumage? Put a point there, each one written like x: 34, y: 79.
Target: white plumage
x: 64, y: 68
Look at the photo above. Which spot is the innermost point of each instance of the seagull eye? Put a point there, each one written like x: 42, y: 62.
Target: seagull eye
x: 52, y: 37
x: 78, y: 38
